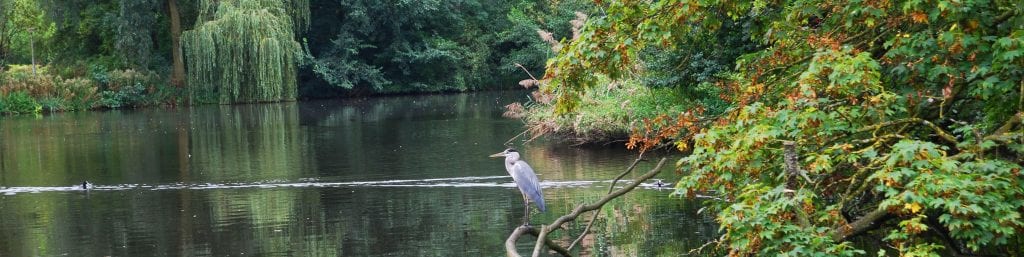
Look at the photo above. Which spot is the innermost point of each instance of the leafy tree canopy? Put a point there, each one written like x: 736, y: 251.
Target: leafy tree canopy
x: 417, y: 46
x: 899, y: 118
x: 245, y: 50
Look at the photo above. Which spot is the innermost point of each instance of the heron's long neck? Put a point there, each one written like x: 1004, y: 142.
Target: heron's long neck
x: 509, y: 162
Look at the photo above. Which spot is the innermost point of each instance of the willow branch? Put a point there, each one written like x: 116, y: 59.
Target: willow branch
x: 510, y: 243
x: 610, y: 188
x: 580, y: 209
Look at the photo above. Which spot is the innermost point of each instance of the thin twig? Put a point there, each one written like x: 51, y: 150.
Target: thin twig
x: 517, y: 136
x: 527, y: 72
x: 701, y: 248
x: 532, y: 138
x: 610, y: 188
x: 585, y: 230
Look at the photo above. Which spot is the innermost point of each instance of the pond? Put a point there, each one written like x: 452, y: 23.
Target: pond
x: 390, y: 176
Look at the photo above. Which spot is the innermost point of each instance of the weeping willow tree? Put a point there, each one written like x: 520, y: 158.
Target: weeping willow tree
x: 245, y: 50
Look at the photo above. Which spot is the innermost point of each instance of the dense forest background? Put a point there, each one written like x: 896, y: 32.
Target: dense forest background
x: 112, y: 53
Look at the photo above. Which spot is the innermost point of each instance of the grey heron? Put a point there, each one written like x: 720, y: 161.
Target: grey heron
x: 526, y: 180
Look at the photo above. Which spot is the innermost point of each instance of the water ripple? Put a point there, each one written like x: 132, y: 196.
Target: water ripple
x: 478, y: 181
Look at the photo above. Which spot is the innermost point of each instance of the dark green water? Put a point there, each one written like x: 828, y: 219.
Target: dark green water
x: 396, y: 176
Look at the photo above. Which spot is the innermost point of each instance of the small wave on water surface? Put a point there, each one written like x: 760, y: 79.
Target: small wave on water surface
x: 476, y: 181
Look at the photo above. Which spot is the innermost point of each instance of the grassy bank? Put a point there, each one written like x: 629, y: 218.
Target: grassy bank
x: 23, y: 90
x: 609, y: 113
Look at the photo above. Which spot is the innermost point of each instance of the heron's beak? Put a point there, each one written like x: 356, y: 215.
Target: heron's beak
x: 501, y: 154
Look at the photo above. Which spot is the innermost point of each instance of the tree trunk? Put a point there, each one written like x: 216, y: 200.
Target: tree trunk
x: 791, y: 160
x: 178, y: 73
x: 32, y: 45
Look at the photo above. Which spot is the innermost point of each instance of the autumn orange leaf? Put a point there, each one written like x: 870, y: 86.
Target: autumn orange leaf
x: 919, y: 17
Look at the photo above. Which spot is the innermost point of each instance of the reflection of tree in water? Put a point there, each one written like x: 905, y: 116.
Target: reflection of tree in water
x: 66, y: 149
x: 253, y: 142
x: 408, y: 137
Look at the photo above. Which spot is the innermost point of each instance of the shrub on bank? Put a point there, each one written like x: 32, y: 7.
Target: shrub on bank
x: 97, y: 88
x: 605, y: 114
x: 19, y: 103
x: 128, y: 88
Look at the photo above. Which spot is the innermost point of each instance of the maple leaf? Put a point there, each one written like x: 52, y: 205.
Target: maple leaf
x: 919, y: 17
x: 913, y: 207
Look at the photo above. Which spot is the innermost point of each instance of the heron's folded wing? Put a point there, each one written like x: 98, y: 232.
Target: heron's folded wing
x: 528, y: 183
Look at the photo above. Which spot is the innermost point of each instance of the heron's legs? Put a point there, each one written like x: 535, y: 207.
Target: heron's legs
x: 526, y: 215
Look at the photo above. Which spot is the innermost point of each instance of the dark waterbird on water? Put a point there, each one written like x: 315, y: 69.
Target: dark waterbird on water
x: 525, y: 179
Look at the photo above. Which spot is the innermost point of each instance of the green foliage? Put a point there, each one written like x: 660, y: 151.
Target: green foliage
x: 606, y: 114
x: 88, y: 42
x: 413, y: 41
x: 136, y: 23
x: 53, y: 92
x: 888, y: 105
x: 22, y: 25
x: 687, y: 70
x: 19, y: 103
x: 82, y: 29
x: 527, y: 19
x: 429, y: 46
x: 132, y: 95
x: 112, y: 89
x: 691, y: 61
x: 339, y: 65
x: 980, y: 206
x: 99, y: 74
x: 128, y: 88
x: 357, y: 46
x: 71, y: 95
x: 761, y: 218
x: 242, y: 51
